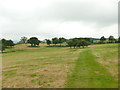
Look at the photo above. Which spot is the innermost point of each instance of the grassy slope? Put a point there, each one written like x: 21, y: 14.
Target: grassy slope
x: 53, y: 66
x: 42, y: 67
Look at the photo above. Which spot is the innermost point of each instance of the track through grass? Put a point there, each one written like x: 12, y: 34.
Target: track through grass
x: 88, y: 73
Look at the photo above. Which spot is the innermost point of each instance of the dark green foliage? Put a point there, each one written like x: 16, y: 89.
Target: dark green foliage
x: 33, y: 41
x: 87, y: 43
x: 5, y: 43
x: 83, y: 43
x: 48, y: 41
x: 55, y: 40
x: 75, y: 42
x: 2, y: 47
x: 102, y: 39
x: 58, y: 40
x: 70, y: 44
x: 9, y: 43
x: 61, y: 40
x: 86, y: 39
x: 116, y: 41
x: 79, y: 43
x: 119, y: 40
x: 111, y: 39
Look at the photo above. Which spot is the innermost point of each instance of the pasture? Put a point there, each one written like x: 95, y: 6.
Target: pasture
x: 95, y: 66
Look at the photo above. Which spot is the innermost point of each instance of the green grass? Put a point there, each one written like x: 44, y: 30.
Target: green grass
x: 32, y: 80
x: 88, y: 73
x: 33, y: 75
x: 59, y: 67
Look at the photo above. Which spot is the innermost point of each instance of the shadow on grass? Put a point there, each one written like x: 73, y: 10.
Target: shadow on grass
x: 7, y: 51
x: 56, y: 46
x: 11, y: 51
x: 68, y: 47
x: 33, y: 46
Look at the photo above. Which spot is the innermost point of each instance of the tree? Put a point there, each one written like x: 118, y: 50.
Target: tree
x: 70, y: 44
x: 33, y: 41
x: 119, y: 39
x: 3, y: 41
x: 61, y: 40
x: 74, y: 42
x: 2, y: 47
x: 23, y: 39
x: 111, y: 39
x: 83, y: 43
x: 102, y: 39
x: 86, y: 43
x: 55, y: 41
x: 48, y: 41
x: 9, y: 43
x: 79, y: 43
x: 116, y: 41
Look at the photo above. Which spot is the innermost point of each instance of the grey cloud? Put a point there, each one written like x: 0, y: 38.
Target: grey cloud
x: 69, y: 11
x: 80, y: 12
x: 25, y: 23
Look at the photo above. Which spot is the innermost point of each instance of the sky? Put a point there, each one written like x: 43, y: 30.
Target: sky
x: 46, y: 19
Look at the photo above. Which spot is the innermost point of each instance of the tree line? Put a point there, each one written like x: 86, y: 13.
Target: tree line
x: 74, y: 42
x: 111, y: 39
x: 34, y: 41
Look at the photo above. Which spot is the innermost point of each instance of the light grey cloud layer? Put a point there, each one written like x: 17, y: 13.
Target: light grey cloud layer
x: 50, y: 18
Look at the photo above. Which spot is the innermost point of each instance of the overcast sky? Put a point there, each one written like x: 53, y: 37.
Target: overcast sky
x: 58, y: 18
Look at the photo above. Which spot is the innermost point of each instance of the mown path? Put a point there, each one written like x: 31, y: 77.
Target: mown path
x: 88, y: 73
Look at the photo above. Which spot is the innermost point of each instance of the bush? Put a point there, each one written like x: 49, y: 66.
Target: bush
x: 78, y: 43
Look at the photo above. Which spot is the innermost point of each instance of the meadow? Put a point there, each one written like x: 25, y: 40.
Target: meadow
x: 95, y: 66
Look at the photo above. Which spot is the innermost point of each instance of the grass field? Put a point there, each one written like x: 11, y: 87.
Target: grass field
x: 95, y: 66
